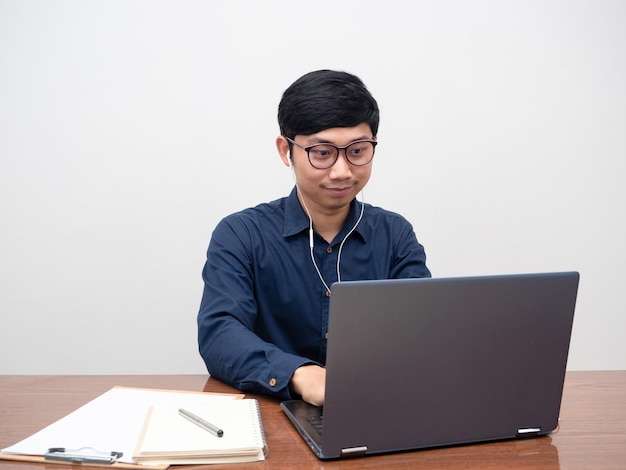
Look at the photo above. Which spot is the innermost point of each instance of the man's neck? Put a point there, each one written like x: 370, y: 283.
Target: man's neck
x: 328, y: 223
x: 329, y: 227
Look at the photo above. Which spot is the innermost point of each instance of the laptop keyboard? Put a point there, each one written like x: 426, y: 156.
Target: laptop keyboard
x: 317, y: 422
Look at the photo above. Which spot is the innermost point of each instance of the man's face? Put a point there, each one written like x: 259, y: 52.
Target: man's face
x: 330, y: 190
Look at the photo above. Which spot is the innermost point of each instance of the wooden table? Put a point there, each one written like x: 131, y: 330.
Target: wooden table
x: 592, y: 433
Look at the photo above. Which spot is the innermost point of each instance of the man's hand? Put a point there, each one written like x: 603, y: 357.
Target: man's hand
x: 309, y: 382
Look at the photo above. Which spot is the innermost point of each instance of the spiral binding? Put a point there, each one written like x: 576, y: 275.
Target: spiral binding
x: 261, y: 428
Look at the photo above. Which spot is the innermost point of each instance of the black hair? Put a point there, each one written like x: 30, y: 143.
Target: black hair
x: 325, y: 99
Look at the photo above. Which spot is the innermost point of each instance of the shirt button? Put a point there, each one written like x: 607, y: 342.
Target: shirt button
x: 326, y: 335
x: 327, y: 293
x: 272, y: 382
x: 329, y: 250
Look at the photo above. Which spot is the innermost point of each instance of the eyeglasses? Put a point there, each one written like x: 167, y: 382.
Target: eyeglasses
x: 322, y: 156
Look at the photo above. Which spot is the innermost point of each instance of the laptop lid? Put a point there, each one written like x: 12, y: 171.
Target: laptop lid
x: 418, y: 363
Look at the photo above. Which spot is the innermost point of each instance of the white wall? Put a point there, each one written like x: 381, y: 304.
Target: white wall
x: 129, y: 128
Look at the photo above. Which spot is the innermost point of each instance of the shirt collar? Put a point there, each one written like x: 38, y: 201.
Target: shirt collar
x: 297, y: 221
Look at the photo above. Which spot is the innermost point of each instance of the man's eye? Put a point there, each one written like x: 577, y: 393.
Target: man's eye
x: 321, y: 152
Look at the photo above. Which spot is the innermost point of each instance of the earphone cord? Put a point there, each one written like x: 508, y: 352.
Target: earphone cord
x: 313, y: 256
x: 348, y: 234
x: 312, y: 244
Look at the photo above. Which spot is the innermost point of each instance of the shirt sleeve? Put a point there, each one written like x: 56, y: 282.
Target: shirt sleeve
x: 231, y: 350
x: 409, y: 259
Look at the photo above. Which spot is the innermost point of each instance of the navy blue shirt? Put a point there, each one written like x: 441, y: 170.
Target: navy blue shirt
x: 264, y: 310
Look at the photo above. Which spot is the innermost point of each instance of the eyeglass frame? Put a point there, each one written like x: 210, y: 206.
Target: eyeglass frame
x: 344, y: 148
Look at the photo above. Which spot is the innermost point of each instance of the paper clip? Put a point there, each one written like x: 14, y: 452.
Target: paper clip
x: 79, y: 456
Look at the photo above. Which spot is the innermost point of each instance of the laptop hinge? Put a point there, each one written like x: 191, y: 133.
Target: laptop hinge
x: 528, y: 432
x: 354, y: 451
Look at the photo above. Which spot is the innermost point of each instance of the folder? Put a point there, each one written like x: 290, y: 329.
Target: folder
x: 111, y: 423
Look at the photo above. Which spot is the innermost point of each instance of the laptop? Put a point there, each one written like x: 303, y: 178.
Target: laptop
x: 423, y: 363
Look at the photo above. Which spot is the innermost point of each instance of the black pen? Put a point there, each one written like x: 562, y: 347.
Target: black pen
x: 204, y: 424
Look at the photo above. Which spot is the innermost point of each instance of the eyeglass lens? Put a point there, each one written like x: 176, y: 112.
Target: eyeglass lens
x: 325, y: 155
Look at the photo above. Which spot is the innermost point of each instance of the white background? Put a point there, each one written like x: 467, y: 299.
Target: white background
x: 128, y: 129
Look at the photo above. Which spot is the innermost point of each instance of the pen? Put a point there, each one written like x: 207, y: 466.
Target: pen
x: 201, y: 422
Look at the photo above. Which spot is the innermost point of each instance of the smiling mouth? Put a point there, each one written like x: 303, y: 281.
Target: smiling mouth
x: 339, y: 189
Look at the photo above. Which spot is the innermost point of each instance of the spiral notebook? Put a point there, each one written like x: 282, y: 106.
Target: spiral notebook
x: 168, y: 438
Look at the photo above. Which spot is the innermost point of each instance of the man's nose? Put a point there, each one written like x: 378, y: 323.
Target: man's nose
x: 341, y: 168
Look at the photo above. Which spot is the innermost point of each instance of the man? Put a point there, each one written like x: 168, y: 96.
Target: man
x: 263, y: 319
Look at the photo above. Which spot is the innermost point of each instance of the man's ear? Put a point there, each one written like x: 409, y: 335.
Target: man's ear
x: 282, y: 145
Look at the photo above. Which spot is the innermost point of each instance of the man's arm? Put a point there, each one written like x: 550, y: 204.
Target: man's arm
x: 231, y: 349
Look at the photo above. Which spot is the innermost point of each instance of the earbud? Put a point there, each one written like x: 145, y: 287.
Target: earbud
x: 289, y: 160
